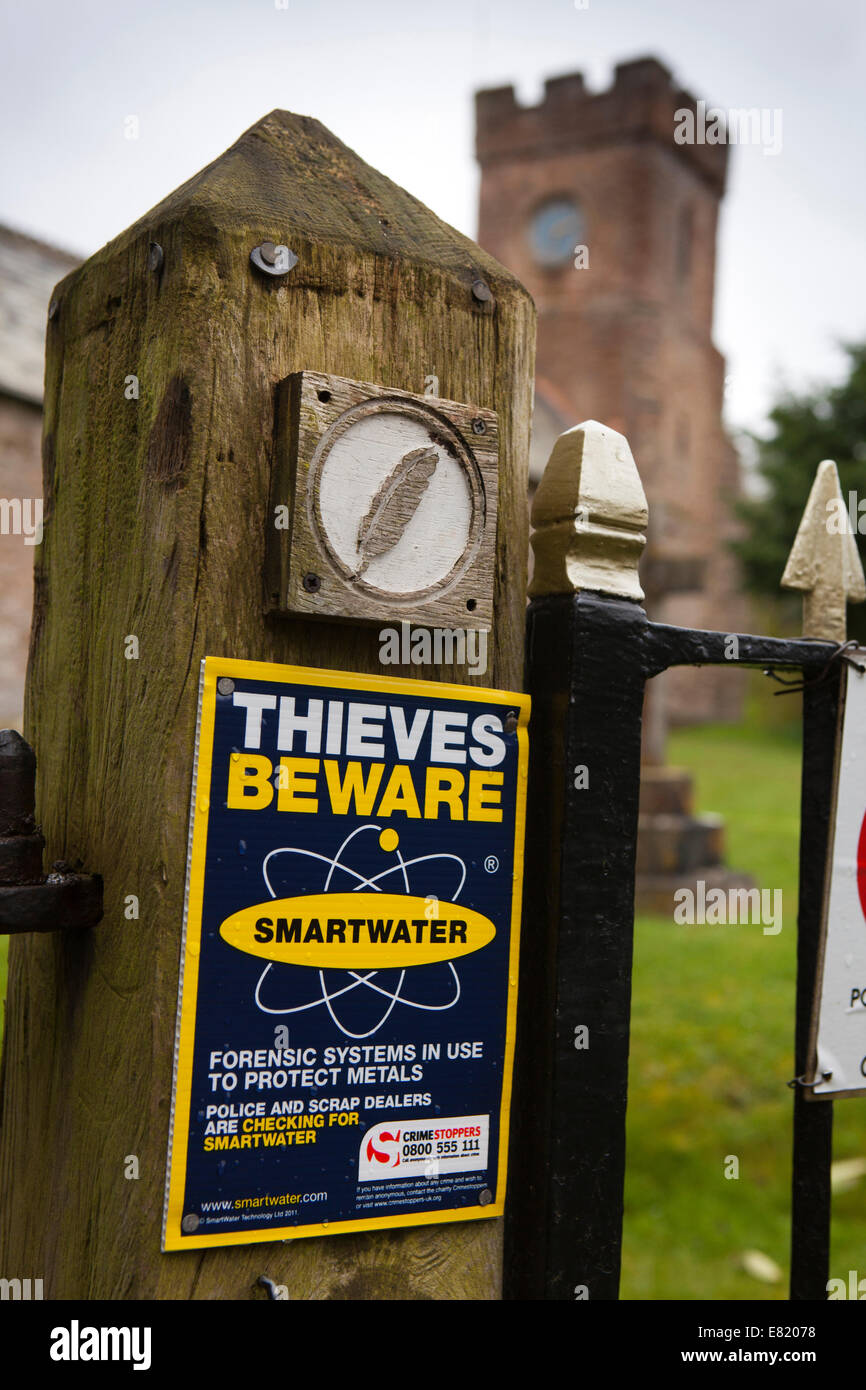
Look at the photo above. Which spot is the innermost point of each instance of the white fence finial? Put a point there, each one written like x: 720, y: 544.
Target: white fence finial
x: 590, y: 515
x: 824, y: 563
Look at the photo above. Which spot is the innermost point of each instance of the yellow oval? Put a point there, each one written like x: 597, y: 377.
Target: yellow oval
x: 357, y: 931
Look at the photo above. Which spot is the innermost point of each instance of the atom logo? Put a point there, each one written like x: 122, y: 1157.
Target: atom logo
x: 361, y: 1001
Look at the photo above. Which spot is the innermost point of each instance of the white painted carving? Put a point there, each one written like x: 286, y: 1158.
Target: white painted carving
x: 437, y: 533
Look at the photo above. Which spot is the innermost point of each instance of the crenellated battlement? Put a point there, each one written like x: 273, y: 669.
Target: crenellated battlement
x: 640, y: 105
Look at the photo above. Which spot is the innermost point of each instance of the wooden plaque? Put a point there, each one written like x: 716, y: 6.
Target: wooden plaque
x: 384, y: 505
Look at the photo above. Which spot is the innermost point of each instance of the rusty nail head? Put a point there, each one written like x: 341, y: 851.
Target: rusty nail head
x: 485, y: 1197
x: 312, y: 583
x: 481, y: 291
x: 511, y: 722
x: 155, y: 256
x: 478, y: 426
x: 225, y: 685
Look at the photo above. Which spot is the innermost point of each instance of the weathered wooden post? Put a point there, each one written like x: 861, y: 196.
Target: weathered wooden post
x: 166, y: 351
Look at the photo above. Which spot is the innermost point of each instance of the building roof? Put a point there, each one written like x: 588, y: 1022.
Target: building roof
x: 29, y: 270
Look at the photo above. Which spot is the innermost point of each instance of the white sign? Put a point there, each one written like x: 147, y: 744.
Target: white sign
x: 427, y: 1147
x: 840, y: 1015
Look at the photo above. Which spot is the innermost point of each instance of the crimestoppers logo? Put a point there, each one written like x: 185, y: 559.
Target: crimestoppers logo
x: 388, y: 1150
x: 428, y: 1148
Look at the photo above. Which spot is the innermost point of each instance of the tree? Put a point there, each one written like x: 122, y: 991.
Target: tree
x: 825, y: 424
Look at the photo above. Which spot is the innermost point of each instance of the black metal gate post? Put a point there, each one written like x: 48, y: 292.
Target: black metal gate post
x: 590, y: 651
x: 813, y: 1120
x: 568, y: 1147
x: 564, y: 1218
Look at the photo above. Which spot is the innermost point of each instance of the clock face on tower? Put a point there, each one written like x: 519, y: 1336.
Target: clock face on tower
x: 555, y: 229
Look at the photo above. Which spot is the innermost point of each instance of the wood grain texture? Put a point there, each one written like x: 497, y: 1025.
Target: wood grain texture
x: 155, y: 524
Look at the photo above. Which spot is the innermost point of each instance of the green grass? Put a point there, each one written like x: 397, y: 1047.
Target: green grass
x: 712, y: 1049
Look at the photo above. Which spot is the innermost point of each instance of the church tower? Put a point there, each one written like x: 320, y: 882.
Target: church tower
x: 611, y: 225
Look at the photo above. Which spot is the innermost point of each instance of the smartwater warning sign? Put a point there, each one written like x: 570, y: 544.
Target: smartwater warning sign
x: 349, y: 962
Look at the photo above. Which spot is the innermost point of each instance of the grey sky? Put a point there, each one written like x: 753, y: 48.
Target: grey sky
x: 395, y: 82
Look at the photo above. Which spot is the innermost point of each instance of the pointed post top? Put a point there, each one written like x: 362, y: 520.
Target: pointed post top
x: 288, y: 177
x: 824, y: 563
x: 590, y: 514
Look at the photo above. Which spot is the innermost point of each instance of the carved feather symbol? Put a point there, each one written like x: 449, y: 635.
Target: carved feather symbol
x: 396, y: 501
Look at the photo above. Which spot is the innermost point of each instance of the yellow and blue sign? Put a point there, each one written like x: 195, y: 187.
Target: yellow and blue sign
x: 349, y: 964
